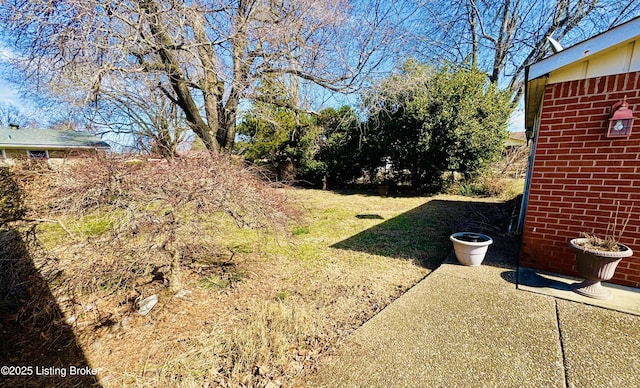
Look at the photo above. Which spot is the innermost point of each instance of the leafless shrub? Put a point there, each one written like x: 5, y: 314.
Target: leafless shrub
x: 199, y: 185
x: 18, y: 282
x: 616, y: 227
x: 513, y: 162
x: 133, y: 221
x: 34, y: 179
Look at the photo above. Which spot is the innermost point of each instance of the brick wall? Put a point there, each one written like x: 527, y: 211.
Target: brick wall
x: 579, y: 175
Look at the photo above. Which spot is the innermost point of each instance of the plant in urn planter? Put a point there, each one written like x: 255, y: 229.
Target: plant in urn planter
x: 597, y: 259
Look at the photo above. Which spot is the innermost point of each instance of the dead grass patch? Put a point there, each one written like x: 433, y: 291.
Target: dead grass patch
x: 253, y: 308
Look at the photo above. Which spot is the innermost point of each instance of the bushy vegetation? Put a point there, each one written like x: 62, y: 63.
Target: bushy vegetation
x: 103, y: 234
x: 235, y: 306
x: 297, y: 146
x: 424, y: 124
x: 428, y: 122
x: 341, y: 152
x: 503, y: 179
x: 282, y: 141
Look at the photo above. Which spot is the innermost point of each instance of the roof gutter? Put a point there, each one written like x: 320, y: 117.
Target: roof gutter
x: 623, y: 33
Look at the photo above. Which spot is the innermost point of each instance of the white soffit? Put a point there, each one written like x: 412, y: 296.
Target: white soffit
x: 623, y: 33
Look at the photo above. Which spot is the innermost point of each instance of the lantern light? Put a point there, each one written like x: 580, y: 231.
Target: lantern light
x: 621, y: 120
x: 529, y: 134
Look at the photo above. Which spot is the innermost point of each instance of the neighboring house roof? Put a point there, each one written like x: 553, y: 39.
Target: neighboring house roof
x: 12, y: 138
x: 516, y: 139
x: 611, y: 52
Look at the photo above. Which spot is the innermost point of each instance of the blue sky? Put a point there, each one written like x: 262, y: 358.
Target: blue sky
x: 8, y: 94
x: 516, y: 123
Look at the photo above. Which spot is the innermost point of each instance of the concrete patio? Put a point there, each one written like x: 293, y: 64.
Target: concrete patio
x: 492, y: 325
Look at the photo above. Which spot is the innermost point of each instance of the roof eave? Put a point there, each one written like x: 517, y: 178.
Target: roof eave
x: 536, y: 74
x: 618, y: 35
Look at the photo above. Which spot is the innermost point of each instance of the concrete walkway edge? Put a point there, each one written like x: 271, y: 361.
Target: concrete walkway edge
x: 471, y: 326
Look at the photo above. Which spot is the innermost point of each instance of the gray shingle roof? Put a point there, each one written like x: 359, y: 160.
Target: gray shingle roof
x: 48, y: 138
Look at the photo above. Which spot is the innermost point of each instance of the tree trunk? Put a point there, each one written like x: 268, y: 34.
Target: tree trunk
x: 171, y: 63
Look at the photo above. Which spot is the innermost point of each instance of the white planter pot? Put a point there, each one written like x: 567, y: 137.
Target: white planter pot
x: 470, y: 248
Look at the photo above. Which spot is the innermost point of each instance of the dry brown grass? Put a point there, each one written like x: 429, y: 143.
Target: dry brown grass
x: 146, y: 219
x: 11, y: 203
x: 260, y: 308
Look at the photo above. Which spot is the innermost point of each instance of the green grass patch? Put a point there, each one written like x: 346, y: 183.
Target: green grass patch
x: 365, y: 229
x: 94, y: 225
x: 299, y: 230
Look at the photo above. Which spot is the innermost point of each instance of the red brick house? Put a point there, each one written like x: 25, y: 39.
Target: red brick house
x: 577, y: 174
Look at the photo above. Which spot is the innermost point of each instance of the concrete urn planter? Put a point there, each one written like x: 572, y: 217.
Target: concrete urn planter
x: 596, y: 266
x: 470, y: 248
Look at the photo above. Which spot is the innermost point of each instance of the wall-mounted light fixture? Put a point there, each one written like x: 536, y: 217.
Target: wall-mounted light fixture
x: 621, y: 119
x: 529, y: 134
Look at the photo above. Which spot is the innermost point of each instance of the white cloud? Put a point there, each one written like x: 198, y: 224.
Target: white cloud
x: 516, y: 122
x: 6, y: 53
x: 8, y: 94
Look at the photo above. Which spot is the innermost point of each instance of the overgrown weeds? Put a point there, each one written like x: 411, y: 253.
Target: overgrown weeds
x: 504, y: 179
x: 103, y: 233
x: 145, y: 220
x: 11, y: 203
x: 250, y: 310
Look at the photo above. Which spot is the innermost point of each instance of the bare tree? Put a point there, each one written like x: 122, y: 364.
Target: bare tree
x: 10, y: 114
x: 137, y: 109
x: 503, y: 37
x: 206, y: 56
